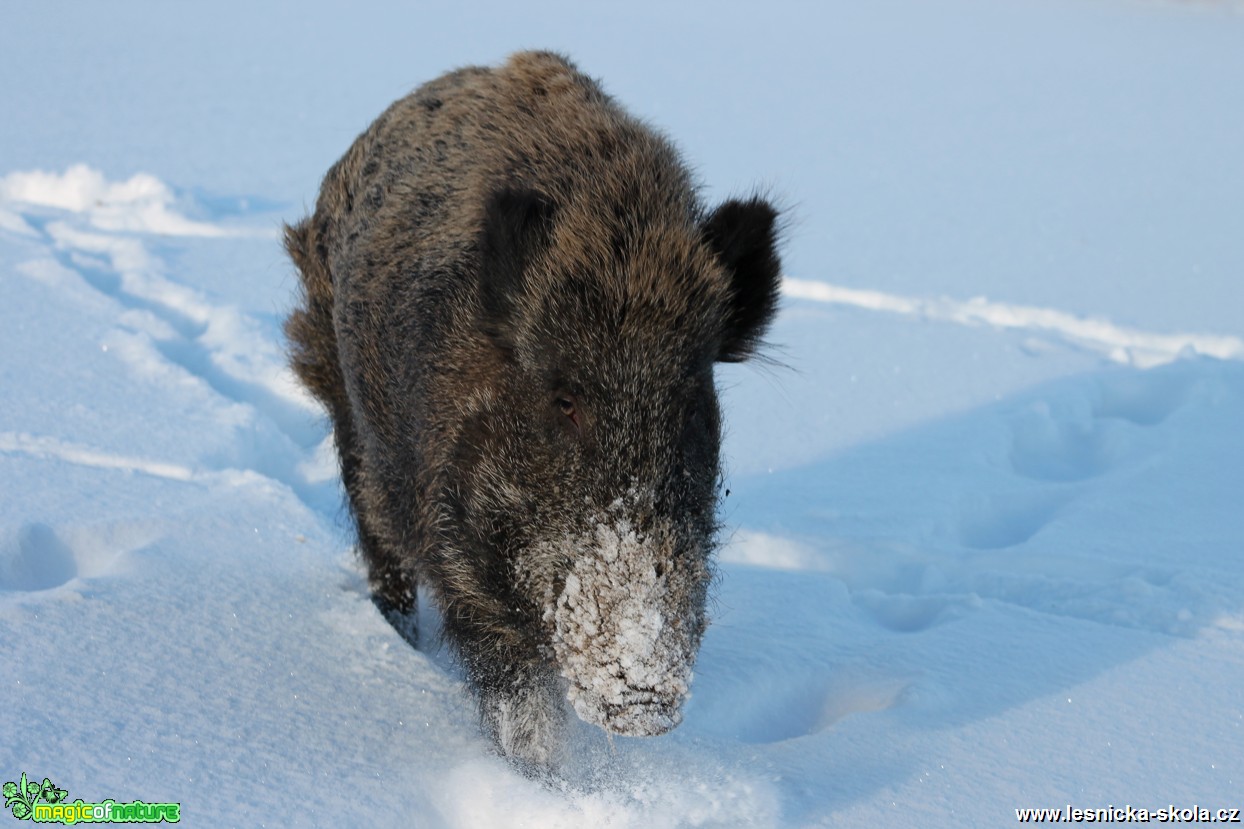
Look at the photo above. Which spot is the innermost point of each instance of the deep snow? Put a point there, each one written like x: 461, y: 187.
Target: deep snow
x: 985, y: 525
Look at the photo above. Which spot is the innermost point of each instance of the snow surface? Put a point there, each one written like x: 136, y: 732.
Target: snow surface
x: 985, y: 516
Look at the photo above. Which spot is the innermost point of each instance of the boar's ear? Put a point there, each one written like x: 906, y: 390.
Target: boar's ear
x: 517, y: 225
x: 743, y: 234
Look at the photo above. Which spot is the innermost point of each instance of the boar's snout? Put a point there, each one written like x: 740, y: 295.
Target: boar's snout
x: 627, y: 623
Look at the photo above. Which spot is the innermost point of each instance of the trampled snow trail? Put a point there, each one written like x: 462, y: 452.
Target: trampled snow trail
x: 88, y: 233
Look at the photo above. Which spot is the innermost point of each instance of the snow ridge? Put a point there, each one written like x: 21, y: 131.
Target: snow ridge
x: 141, y: 204
x: 1129, y: 346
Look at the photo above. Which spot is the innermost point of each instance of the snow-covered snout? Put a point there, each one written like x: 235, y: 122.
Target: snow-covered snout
x: 626, y: 625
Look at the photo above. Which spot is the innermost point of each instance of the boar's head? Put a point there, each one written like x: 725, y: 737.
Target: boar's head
x: 588, y: 465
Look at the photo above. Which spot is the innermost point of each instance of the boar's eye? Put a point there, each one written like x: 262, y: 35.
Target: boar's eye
x: 566, y: 405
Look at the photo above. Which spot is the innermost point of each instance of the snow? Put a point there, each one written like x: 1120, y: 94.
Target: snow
x: 625, y: 634
x: 984, y: 547
x: 143, y: 203
x: 1124, y: 345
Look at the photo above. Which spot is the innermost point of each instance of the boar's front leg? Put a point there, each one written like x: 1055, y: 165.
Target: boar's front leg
x: 521, y: 696
x: 522, y: 711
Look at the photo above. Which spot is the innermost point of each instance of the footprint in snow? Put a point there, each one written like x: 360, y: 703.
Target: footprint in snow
x: 1144, y: 399
x: 36, y: 559
x: 804, y: 706
x: 905, y: 613
x: 1001, y: 521
x: 1078, y: 439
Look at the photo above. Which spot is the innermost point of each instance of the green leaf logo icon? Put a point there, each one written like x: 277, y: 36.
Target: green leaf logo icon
x: 22, y: 796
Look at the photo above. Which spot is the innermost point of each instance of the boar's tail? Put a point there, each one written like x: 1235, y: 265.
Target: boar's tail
x: 313, y: 342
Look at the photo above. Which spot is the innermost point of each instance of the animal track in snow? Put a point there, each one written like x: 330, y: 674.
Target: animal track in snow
x: 1060, y: 446
x: 1079, y: 439
x: 799, y: 707
x: 1006, y: 521
x: 907, y: 613
x: 1108, y: 594
x: 1145, y: 399
x: 35, y: 559
x: 1048, y: 448
x: 224, y: 347
x: 40, y: 557
x: 103, y: 231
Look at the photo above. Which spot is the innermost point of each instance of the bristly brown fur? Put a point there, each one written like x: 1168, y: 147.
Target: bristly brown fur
x: 512, y: 300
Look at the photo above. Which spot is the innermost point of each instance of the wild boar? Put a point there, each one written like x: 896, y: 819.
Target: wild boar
x: 512, y: 303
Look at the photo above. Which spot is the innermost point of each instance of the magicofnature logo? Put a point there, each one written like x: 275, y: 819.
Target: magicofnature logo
x: 45, y: 803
